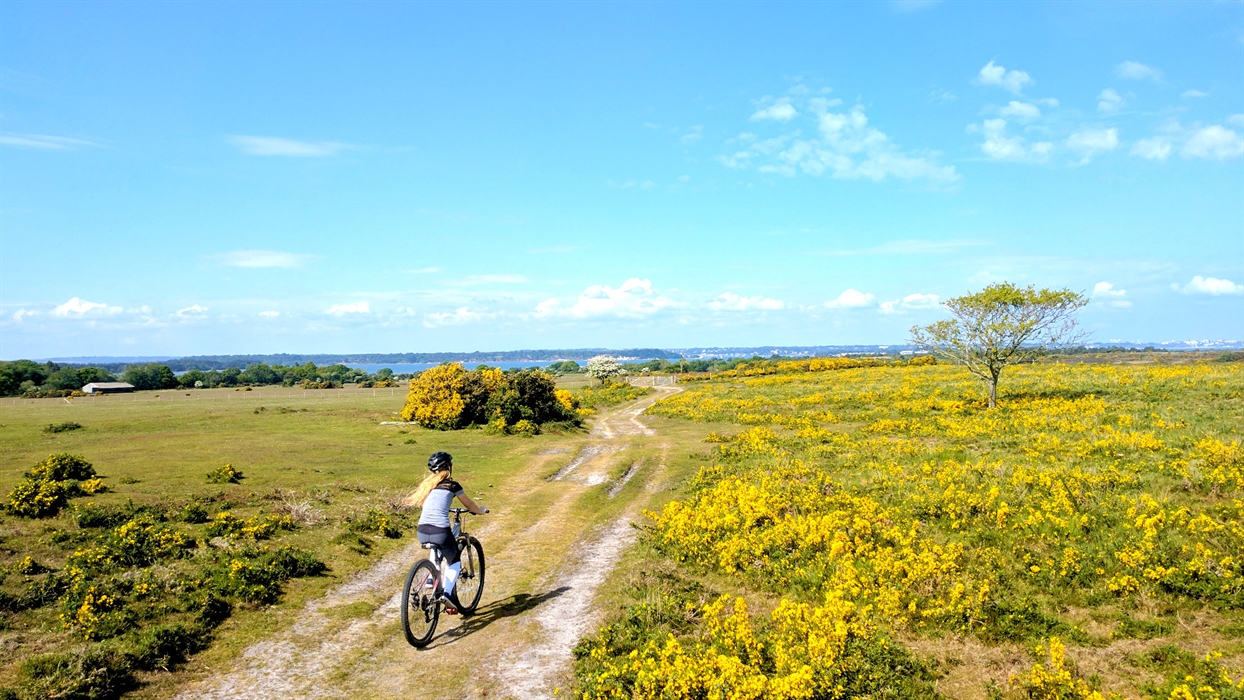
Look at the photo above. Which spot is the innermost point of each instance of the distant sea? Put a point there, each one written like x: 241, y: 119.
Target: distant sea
x: 412, y: 367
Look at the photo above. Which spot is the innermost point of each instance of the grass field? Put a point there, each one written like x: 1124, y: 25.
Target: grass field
x: 855, y: 532
x: 322, y: 457
x: 879, y: 532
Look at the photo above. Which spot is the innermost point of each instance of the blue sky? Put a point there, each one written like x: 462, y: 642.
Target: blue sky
x: 225, y: 178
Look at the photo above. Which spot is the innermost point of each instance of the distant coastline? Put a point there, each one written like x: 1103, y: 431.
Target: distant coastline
x: 209, y: 362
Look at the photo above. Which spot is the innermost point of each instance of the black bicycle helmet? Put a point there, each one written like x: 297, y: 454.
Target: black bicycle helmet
x: 440, y: 461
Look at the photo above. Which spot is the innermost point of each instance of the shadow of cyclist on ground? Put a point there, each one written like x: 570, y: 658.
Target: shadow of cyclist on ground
x: 516, y: 604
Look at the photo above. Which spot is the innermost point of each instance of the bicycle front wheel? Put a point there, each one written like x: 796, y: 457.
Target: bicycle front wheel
x: 421, y: 606
x: 470, y: 586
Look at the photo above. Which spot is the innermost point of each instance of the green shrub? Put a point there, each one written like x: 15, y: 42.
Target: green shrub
x: 226, y: 524
x: 162, y: 647
x: 38, y: 498
x: 93, y: 516
x: 85, y: 675
x: 62, y: 427
x: 62, y: 467
x: 97, y: 610
x: 256, y: 577
x: 42, y: 591
x: 375, y: 521
x: 224, y: 475
x: 193, y: 513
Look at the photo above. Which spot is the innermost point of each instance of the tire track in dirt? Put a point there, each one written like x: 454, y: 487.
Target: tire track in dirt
x: 323, y: 655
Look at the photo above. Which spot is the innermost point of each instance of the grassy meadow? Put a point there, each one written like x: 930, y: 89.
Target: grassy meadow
x: 120, y: 586
x: 878, y: 532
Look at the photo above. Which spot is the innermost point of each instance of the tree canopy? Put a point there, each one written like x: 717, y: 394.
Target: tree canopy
x: 1001, y: 325
x: 604, y: 368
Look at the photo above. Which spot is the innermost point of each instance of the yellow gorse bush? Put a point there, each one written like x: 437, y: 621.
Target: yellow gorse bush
x: 1052, y: 679
x: 807, y: 651
x: 892, y: 490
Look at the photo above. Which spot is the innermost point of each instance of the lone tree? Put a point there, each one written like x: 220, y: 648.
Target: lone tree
x: 1002, y: 325
x: 604, y: 368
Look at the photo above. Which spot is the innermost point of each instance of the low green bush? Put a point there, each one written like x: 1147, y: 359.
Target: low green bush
x: 89, y: 673
x: 62, y: 467
x: 49, y: 485
x: 62, y: 427
x: 375, y: 521
x: 224, y: 475
x: 38, y: 499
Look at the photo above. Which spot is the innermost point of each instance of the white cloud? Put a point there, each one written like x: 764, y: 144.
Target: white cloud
x: 361, y: 307
x: 458, y: 317
x: 260, y: 258
x: 634, y: 299
x: 269, y: 314
x: 1089, y: 142
x: 1021, y: 110
x: 780, y: 111
x: 1156, y: 148
x: 1012, y: 81
x: 734, y: 302
x: 1213, y: 142
x: 192, y: 310
x: 76, y: 307
x: 692, y: 136
x: 43, y: 141
x: 1137, y: 71
x: 1236, y: 119
x: 1193, y: 94
x: 1209, y: 285
x: 845, y: 147
x: 1106, y: 294
x: 998, y: 145
x: 911, y: 301
x: 850, y: 299
x: 275, y: 146
x: 23, y: 313
x: 1109, y: 101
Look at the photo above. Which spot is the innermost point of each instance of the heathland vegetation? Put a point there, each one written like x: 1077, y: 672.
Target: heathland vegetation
x: 882, y: 532
x: 523, y: 402
x: 127, y: 549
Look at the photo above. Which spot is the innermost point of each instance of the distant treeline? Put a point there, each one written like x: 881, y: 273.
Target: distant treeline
x: 48, y: 380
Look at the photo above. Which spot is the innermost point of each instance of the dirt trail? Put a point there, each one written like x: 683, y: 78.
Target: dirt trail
x: 542, y: 577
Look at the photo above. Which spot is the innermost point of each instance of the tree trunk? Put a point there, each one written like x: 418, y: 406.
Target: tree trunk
x: 993, y: 392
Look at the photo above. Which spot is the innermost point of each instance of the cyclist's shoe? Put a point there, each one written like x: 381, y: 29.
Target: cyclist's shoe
x: 452, y: 606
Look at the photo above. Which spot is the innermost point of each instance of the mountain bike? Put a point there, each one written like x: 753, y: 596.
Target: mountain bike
x: 423, y: 596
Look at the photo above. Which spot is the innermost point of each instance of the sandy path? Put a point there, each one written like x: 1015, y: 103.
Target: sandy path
x: 537, y: 604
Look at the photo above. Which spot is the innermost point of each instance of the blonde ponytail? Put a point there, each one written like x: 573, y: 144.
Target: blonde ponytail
x: 425, y: 487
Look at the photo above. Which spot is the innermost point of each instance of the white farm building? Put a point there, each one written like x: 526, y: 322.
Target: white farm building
x: 107, y: 388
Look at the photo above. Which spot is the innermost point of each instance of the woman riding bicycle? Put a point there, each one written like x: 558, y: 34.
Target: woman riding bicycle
x: 435, y: 495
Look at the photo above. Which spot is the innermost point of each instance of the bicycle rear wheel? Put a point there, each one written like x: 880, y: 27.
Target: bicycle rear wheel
x: 470, y: 585
x: 421, y: 606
